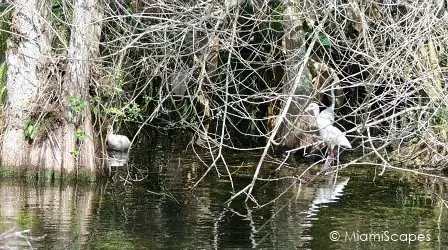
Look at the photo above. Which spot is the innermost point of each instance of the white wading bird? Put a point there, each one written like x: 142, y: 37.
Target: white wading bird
x: 116, y: 142
x: 331, y: 135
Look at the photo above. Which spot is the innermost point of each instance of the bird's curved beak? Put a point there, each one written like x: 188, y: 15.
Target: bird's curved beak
x: 308, y: 109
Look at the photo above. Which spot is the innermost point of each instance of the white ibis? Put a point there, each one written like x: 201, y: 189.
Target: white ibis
x: 327, y: 115
x: 331, y: 135
x: 116, y: 142
x: 324, y: 118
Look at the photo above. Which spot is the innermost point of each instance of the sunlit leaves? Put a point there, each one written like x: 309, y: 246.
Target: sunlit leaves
x: 80, y: 134
x: 30, y: 129
x: 324, y: 41
x: 2, y: 82
x: 77, y: 104
x: 131, y: 112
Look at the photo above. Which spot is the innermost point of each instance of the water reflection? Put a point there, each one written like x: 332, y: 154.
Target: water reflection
x: 327, y: 193
x: 162, y: 213
x: 116, y: 158
x: 56, y: 212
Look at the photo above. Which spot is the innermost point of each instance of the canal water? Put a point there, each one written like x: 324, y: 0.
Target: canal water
x: 159, y: 209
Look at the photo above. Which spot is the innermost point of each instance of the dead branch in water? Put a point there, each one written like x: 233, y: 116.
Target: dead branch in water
x: 221, y: 72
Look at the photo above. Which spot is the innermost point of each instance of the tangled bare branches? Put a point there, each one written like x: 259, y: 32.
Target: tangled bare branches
x: 224, y: 70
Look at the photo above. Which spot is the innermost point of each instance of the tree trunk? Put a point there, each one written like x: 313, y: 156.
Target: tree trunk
x: 296, y: 127
x: 83, y: 42
x: 27, y: 47
x: 67, y: 145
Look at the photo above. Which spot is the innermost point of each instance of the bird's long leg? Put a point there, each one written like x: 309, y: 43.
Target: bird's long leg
x: 330, y: 158
x: 338, y: 154
x: 337, y: 163
x: 322, y: 145
x: 332, y: 155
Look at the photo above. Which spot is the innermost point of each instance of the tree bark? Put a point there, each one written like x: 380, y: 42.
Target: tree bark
x: 296, y: 128
x: 60, y: 149
x: 27, y: 48
x: 83, y: 42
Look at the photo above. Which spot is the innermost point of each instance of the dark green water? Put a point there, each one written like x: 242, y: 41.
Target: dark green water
x: 366, y: 211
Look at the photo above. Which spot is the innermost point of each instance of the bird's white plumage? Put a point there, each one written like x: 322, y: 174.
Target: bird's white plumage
x: 329, y: 133
x: 334, y: 137
x: 326, y: 117
x: 117, y: 142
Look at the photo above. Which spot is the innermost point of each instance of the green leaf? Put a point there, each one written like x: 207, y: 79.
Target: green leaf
x: 80, y: 135
x: 2, y: 82
x: 324, y: 41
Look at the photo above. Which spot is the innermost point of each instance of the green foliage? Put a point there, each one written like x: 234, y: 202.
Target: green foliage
x: 115, y: 112
x: 45, y: 176
x: 130, y: 113
x: 3, y: 82
x: 441, y: 122
x: 25, y: 220
x: 147, y: 98
x: 115, y: 108
x: 80, y: 134
x: 58, y: 10
x: 33, y: 128
x: 4, y: 30
x: 324, y: 41
x: 62, y: 14
x: 75, y: 153
x: 277, y: 18
x: 6, y: 173
x: 133, y: 112
x: 77, y: 104
x: 119, y: 82
x: 30, y: 129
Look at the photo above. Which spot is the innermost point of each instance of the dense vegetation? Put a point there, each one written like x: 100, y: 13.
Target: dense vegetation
x: 225, y: 71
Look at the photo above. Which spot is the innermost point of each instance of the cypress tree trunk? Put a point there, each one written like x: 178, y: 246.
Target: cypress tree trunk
x: 297, y: 84
x: 83, y: 42
x: 67, y: 145
x: 27, y: 47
